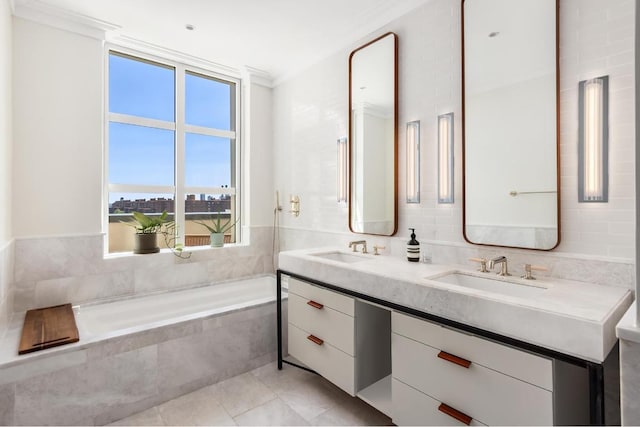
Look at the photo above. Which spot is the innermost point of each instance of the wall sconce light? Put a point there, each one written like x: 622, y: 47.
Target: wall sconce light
x: 342, y: 170
x: 445, y: 158
x: 413, y: 162
x: 593, y: 140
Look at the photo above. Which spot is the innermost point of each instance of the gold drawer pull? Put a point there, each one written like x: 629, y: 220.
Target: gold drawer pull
x: 314, y: 304
x: 315, y: 340
x: 454, y: 359
x: 454, y: 413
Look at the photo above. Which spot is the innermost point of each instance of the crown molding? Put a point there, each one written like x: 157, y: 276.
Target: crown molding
x: 258, y: 76
x: 57, y: 17
x: 171, y: 54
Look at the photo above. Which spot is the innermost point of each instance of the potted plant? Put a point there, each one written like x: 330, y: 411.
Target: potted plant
x: 217, y: 229
x: 147, y: 229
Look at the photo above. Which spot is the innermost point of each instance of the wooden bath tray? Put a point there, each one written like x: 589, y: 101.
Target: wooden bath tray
x: 48, y: 327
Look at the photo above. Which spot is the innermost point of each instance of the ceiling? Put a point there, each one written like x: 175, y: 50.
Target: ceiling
x: 280, y: 37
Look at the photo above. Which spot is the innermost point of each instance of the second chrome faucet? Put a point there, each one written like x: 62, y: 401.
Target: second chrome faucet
x: 502, y: 260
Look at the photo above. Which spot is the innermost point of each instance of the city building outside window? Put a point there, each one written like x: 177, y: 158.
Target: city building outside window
x: 171, y: 135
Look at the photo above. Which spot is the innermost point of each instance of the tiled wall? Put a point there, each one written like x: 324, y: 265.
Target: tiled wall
x: 51, y: 271
x: 311, y: 112
x: 6, y: 281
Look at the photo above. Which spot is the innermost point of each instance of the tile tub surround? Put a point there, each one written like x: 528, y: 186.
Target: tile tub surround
x: 628, y: 331
x: 6, y: 290
x: 570, y: 317
x: 96, y: 383
x: 56, y: 270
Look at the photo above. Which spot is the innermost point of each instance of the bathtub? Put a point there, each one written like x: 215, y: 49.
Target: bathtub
x: 138, y: 352
x: 108, y: 319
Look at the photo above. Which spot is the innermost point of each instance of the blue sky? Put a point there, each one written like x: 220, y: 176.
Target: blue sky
x: 145, y: 156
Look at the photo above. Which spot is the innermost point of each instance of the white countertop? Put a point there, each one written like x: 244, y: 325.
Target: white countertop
x: 575, y: 318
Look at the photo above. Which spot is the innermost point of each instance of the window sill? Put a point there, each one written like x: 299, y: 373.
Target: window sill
x: 203, y: 248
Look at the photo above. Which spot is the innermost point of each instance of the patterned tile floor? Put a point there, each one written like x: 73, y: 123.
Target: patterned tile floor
x: 264, y: 396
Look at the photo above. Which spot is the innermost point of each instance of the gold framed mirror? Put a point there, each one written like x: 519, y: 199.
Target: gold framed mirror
x: 510, y: 128
x: 373, y: 135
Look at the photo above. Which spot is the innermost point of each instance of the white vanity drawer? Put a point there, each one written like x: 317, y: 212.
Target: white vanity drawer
x: 516, y: 363
x: 330, y: 362
x: 478, y: 391
x: 413, y: 408
x: 334, y: 327
x: 327, y: 298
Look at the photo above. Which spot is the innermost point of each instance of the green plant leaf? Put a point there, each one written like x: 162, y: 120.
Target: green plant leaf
x: 216, y: 225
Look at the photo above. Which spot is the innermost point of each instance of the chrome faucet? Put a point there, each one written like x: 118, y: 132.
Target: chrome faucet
x: 355, y: 244
x: 500, y: 260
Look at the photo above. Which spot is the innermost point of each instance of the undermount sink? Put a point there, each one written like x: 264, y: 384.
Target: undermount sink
x: 499, y: 286
x: 340, y: 256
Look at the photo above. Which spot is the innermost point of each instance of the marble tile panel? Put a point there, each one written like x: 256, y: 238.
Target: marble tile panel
x: 199, y: 408
x: 91, y: 288
x: 273, y: 413
x: 188, y: 359
x: 62, y: 397
x: 242, y: 315
x: 262, y: 335
x: 24, y: 295
x: 241, y: 393
x: 191, y: 274
x: 47, y: 258
x: 138, y: 340
x: 7, y: 403
x: 247, y: 266
x: 630, y: 382
x: 150, y: 417
x: 52, y: 292
x: 124, y: 378
x: 148, y: 280
x: 42, y: 365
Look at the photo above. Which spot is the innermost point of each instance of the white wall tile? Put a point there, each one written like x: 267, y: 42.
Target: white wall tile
x: 311, y: 109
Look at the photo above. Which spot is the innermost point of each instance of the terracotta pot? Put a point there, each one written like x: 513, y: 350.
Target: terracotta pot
x: 146, y: 243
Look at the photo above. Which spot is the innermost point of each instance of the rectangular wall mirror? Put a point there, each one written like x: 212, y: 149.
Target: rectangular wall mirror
x: 373, y: 112
x: 510, y: 123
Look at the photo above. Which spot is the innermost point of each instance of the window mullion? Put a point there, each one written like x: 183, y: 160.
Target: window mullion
x: 180, y: 153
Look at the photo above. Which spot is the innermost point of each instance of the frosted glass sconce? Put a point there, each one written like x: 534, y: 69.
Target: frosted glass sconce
x: 342, y: 170
x: 413, y: 162
x: 445, y: 158
x: 593, y: 140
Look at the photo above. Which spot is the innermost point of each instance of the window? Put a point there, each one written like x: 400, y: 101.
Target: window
x: 171, y: 136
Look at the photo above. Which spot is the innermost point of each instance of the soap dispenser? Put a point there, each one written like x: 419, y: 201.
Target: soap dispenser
x: 413, y: 247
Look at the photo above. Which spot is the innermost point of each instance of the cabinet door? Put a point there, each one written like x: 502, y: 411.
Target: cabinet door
x: 330, y: 362
x: 478, y: 391
x: 334, y: 327
x: 413, y: 408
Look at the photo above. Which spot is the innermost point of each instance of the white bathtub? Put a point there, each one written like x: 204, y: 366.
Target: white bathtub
x: 171, y: 307
x: 139, y: 352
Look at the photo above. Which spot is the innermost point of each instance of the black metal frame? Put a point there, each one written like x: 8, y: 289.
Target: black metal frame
x: 595, y: 370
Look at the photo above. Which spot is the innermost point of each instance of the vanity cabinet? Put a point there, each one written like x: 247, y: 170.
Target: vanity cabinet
x: 438, y: 372
x: 321, y: 332
x: 422, y: 370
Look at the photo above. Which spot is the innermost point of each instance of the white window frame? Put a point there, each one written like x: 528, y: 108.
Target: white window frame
x: 180, y: 128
